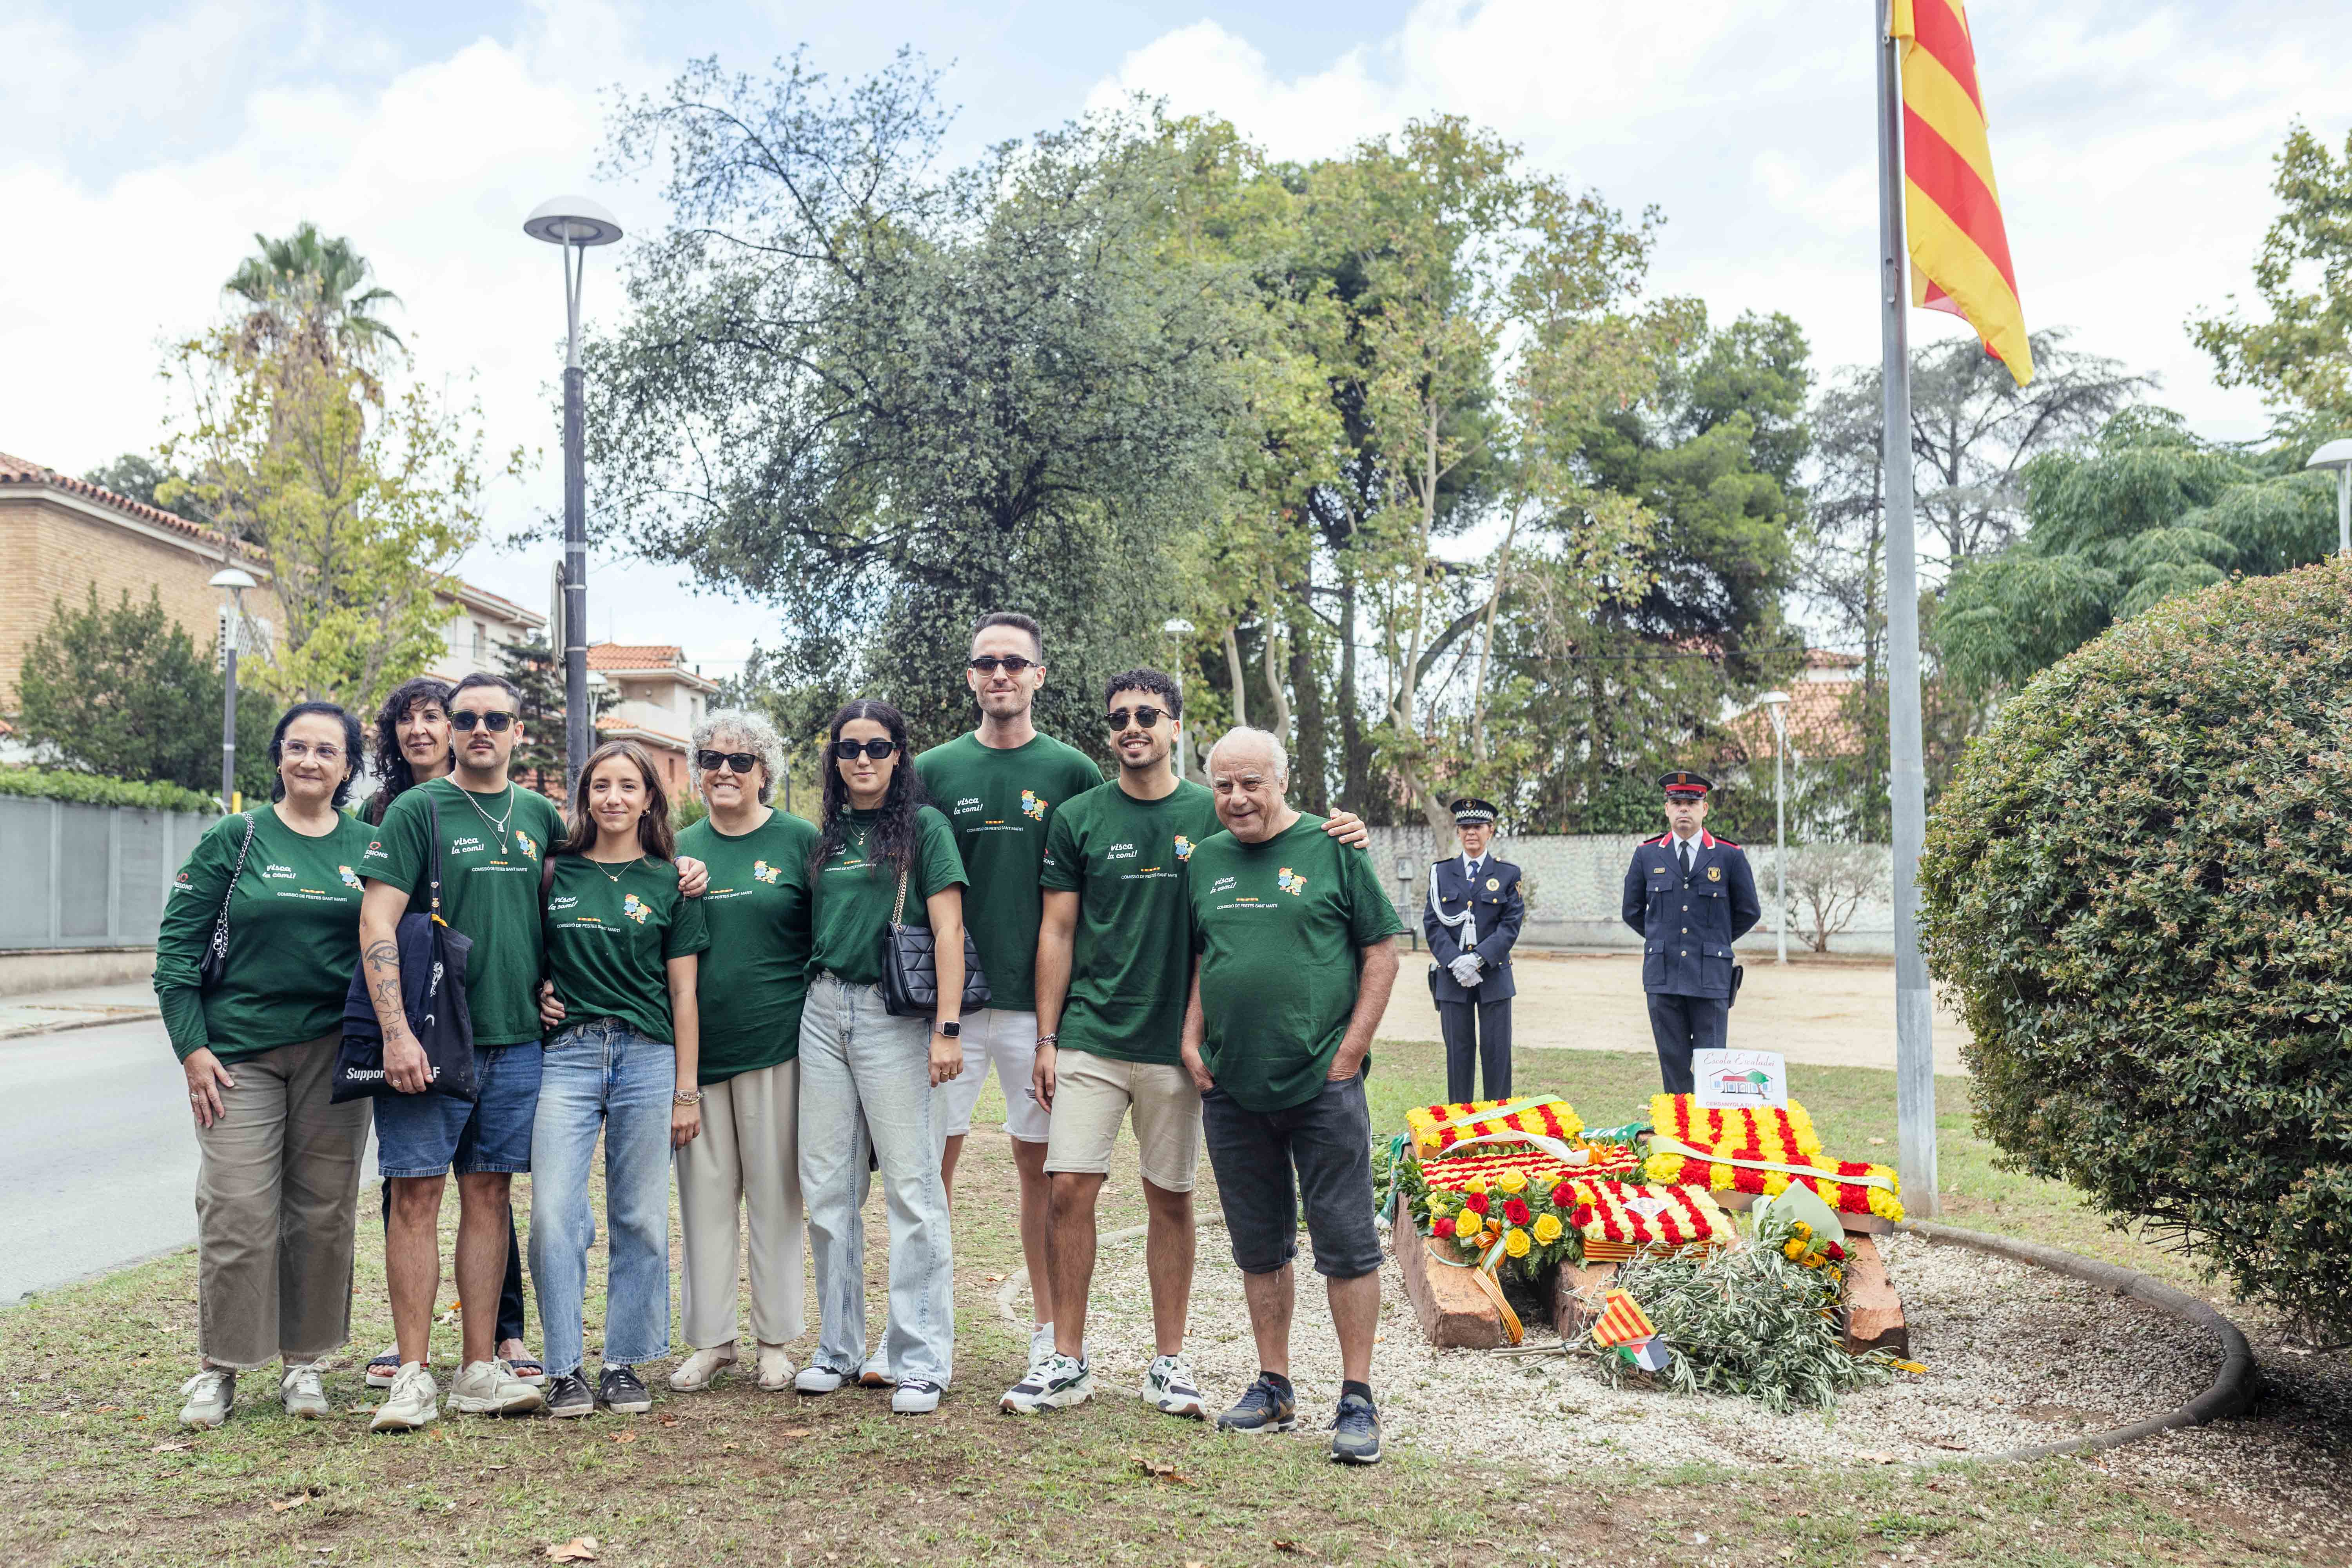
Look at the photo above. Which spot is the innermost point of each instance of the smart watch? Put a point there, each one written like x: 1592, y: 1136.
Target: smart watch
x: 951, y: 1029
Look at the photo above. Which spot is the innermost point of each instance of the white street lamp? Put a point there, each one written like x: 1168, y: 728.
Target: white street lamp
x: 1177, y: 627
x: 575, y: 223
x: 2337, y: 455
x: 234, y: 581
x: 1776, y: 703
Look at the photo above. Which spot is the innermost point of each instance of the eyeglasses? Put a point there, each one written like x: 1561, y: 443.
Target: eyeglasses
x: 710, y: 762
x: 496, y: 723
x: 1146, y: 716
x: 325, y: 752
x: 848, y: 751
x: 1013, y: 664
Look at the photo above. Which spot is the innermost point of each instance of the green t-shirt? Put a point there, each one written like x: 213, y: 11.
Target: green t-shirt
x: 1279, y: 927
x: 1000, y: 803
x: 1132, y: 953
x: 489, y: 889
x: 611, y: 933
x: 755, y: 976
x: 854, y: 897
x: 293, y: 937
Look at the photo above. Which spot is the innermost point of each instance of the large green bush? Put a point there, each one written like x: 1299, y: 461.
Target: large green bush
x: 2139, y: 887
x: 91, y: 789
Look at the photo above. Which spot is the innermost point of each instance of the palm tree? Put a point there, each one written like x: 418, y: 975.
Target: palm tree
x: 311, y: 292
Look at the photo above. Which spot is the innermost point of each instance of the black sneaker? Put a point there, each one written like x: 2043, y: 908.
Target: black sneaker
x: 568, y: 1396
x: 1356, y: 1432
x: 1263, y: 1408
x: 619, y: 1388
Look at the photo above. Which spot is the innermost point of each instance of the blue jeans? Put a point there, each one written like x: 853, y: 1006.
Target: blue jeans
x: 601, y: 1074
x: 865, y: 1073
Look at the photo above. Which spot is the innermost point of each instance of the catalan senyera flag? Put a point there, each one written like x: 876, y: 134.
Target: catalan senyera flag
x: 1622, y: 1321
x: 1959, y: 249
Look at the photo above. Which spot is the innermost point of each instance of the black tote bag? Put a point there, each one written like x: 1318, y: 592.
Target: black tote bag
x: 910, y: 979
x: 432, y: 960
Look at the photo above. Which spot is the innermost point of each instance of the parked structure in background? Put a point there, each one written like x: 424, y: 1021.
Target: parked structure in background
x: 480, y: 624
x: 659, y: 700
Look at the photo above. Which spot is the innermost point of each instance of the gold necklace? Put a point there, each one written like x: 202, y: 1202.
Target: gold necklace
x: 614, y: 877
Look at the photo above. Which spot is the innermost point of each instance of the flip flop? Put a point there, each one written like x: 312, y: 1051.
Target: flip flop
x: 531, y: 1369
x: 383, y: 1368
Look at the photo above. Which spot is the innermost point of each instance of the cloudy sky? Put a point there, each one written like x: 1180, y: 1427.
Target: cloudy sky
x: 141, y: 145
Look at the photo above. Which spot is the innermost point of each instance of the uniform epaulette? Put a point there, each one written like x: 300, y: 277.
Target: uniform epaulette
x: 1723, y: 843
x: 1661, y: 839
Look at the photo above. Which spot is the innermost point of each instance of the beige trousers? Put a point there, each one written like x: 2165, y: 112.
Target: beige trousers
x: 747, y: 1159
x: 276, y: 1193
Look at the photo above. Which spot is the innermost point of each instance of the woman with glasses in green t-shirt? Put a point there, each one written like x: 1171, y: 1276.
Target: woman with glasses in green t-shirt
x: 279, y: 1167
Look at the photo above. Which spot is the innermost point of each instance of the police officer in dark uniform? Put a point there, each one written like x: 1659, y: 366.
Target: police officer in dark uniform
x: 1691, y: 896
x: 1471, y: 921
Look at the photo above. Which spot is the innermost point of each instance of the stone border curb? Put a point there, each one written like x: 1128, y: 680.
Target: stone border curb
x: 34, y: 1031
x: 2232, y: 1388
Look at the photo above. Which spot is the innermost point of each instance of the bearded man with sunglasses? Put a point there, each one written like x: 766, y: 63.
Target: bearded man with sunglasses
x: 998, y: 787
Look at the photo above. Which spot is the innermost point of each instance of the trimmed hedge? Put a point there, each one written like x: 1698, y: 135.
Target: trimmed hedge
x: 2138, y: 887
x: 89, y: 789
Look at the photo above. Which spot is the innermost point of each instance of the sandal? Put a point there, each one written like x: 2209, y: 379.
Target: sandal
x: 530, y: 1369
x: 383, y: 1368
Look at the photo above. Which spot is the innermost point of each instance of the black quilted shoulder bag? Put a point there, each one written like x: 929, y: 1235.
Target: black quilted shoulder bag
x: 910, y: 980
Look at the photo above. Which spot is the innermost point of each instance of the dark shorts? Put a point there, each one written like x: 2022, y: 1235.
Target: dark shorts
x: 429, y: 1134
x: 1328, y: 1142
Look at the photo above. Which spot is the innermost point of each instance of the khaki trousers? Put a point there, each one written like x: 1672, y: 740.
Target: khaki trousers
x: 276, y: 1193
x: 747, y: 1158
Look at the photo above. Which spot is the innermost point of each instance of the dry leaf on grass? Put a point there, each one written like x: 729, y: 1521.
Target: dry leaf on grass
x: 669, y: 1420
x: 290, y: 1504
x: 797, y: 1432
x: 171, y: 1448
x: 108, y: 1409
x: 579, y: 1548
x: 1159, y: 1470
x: 624, y: 1436
x: 1299, y: 1547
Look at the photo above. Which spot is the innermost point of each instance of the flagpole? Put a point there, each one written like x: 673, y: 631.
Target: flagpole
x: 1915, y: 1049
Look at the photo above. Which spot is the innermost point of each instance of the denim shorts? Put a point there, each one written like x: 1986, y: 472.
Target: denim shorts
x: 428, y: 1134
x: 1328, y: 1142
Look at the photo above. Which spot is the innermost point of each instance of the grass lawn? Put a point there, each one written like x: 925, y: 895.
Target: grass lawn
x: 98, y: 1471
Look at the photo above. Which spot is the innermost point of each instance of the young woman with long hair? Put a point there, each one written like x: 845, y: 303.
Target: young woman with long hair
x: 622, y: 1036
x: 865, y: 1073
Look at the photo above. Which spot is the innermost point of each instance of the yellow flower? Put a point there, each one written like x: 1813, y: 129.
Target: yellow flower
x: 1512, y: 1180
x: 1812, y: 1259
x: 1792, y: 1249
x: 1474, y: 1185
x: 1802, y: 1229
x: 1515, y: 1243
x: 1547, y: 1229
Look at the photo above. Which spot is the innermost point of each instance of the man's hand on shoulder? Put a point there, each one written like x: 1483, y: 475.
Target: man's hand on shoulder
x: 693, y: 876
x: 1347, y: 827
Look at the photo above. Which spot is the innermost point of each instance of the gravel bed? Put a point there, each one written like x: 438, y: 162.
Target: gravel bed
x: 2015, y: 1356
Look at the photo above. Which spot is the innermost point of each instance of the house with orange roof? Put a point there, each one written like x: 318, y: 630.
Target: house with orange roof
x: 658, y: 699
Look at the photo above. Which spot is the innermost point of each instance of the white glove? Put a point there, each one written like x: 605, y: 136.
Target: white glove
x: 1466, y: 970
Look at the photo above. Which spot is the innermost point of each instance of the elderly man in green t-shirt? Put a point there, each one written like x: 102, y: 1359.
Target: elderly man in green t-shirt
x: 1296, y: 952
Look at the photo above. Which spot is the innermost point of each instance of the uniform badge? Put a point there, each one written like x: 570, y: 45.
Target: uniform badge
x: 1715, y: 873
x: 1493, y: 883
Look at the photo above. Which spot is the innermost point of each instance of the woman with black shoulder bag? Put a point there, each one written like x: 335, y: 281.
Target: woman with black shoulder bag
x: 256, y: 950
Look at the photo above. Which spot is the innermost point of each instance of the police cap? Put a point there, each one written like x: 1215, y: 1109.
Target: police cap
x: 1682, y: 781
x: 1470, y: 809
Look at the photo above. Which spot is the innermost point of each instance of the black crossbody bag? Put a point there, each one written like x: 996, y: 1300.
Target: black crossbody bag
x: 214, y: 963
x: 911, y: 978
x: 432, y: 961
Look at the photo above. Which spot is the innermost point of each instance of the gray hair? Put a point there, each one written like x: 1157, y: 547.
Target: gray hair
x: 758, y: 737
x: 1262, y: 740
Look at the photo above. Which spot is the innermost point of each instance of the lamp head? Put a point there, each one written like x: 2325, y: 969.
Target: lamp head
x: 1774, y: 699
x: 2335, y: 454
x: 1178, y: 627
x: 572, y: 220
x: 235, y: 579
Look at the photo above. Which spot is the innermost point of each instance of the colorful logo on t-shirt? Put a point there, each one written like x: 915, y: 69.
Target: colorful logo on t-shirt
x: 635, y: 908
x: 1290, y: 882
x: 1031, y: 806
x: 763, y: 872
x: 351, y: 877
x: 1183, y: 848
x: 523, y: 842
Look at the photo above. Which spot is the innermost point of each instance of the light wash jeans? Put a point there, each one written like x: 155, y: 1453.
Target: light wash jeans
x: 864, y: 1072
x: 601, y: 1074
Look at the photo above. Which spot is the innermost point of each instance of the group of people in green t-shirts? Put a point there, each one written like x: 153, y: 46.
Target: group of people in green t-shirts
x: 1206, y: 962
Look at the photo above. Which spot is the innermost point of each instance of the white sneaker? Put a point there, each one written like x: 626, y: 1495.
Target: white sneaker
x: 491, y: 1388
x: 915, y: 1396
x: 700, y: 1370
x: 875, y: 1372
x: 775, y: 1368
x: 1041, y: 1345
x: 303, y: 1391
x: 1063, y: 1380
x: 816, y: 1378
x: 1169, y: 1385
x: 415, y: 1400
x: 211, y: 1394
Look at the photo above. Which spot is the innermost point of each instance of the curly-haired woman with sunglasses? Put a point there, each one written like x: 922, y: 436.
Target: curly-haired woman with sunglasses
x: 865, y: 1074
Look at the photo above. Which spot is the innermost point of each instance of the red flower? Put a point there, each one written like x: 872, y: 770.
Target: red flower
x: 1517, y: 1212
x: 1837, y: 1253
x: 1583, y: 1215
x: 1563, y: 1196
x: 1475, y: 1203
x: 1441, y: 1227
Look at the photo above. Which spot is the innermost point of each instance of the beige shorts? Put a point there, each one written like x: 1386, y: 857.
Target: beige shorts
x: 1092, y: 1094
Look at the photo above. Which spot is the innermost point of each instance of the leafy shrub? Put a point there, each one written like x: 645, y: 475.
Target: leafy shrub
x: 89, y: 789
x: 2139, y: 886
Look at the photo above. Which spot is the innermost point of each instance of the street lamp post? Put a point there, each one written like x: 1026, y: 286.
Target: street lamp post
x: 1178, y: 626
x: 235, y: 581
x: 2337, y: 455
x: 575, y: 223
x: 1776, y: 703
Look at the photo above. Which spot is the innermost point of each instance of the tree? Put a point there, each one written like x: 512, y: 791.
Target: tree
x: 310, y: 297
x: 540, y: 757
x: 2300, y: 359
x: 118, y: 690
x: 139, y: 477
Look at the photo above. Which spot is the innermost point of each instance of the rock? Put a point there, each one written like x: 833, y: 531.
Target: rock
x: 1874, y: 1311
x: 1576, y: 1297
x: 1455, y: 1313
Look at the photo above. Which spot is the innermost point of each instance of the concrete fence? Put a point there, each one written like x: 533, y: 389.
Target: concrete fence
x: 1574, y: 882
x: 87, y: 877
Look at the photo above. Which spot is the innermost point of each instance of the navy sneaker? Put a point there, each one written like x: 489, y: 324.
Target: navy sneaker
x: 1265, y: 1408
x: 1356, y: 1432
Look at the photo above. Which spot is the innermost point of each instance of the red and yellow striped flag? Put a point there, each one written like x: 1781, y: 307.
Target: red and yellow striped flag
x: 1623, y: 1322
x: 1959, y: 249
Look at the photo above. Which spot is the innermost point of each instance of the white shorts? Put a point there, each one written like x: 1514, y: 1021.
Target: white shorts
x: 1008, y: 1041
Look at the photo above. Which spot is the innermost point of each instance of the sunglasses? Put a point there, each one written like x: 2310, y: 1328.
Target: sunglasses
x: 496, y: 723
x: 1013, y: 664
x: 1146, y: 716
x: 848, y: 751
x: 711, y: 762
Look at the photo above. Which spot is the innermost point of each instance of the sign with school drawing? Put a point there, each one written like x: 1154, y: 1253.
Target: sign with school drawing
x: 1728, y: 1078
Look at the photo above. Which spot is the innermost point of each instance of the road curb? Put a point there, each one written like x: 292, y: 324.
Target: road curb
x: 28, y: 1031
x: 2233, y: 1389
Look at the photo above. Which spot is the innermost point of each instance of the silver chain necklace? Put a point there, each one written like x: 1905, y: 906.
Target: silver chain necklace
x: 497, y: 823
